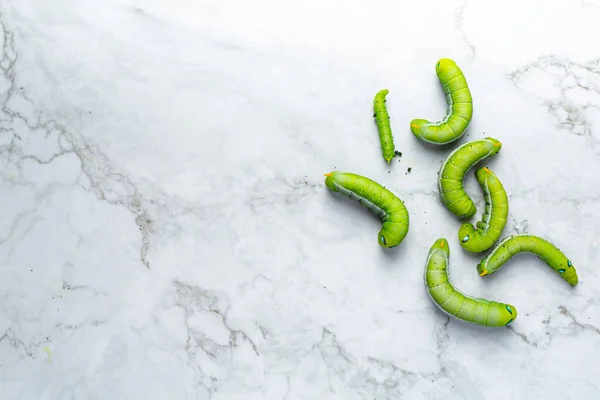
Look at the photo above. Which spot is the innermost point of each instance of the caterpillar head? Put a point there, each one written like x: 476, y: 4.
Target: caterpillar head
x: 443, y: 64
x: 381, y: 94
x: 385, y: 239
x: 507, y: 313
x: 467, y: 237
x: 569, y: 274
x: 391, y: 234
x: 470, y: 211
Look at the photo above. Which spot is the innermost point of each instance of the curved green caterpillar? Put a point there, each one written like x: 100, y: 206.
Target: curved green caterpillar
x: 514, y: 244
x: 459, y: 111
x: 382, y: 118
x: 378, y: 200
x: 493, y: 219
x: 455, y: 303
x: 453, y: 170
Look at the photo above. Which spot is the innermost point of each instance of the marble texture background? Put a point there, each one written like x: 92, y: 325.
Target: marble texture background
x: 165, y: 231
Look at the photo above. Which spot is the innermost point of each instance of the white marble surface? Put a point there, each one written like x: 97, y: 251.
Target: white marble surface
x: 165, y: 232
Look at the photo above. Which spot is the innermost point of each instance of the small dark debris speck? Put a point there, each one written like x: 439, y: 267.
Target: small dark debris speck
x: 398, y: 153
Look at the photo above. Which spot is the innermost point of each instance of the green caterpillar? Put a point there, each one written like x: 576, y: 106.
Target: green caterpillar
x: 382, y: 118
x: 378, y: 200
x: 493, y: 219
x: 455, y: 303
x: 546, y: 251
x: 460, y: 107
x: 452, y: 173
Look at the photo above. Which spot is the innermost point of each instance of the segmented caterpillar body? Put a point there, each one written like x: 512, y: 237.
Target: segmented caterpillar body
x: 455, y: 303
x: 459, y: 111
x: 378, y: 200
x: 493, y: 219
x: 382, y: 118
x: 515, y: 244
x: 453, y: 170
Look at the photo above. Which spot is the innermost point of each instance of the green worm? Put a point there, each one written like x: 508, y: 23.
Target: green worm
x: 546, y: 251
x: 459, y: 111
x: 455, y: 303
x: 493, y: 220
x: 382, y: 118
x: 453, y: 170
x: 378, y: 200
